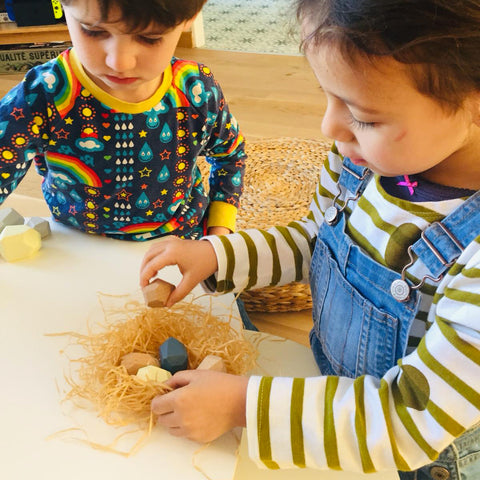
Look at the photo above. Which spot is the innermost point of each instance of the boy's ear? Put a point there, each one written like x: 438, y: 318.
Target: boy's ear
x: 188, y: 24
x: 475, y: 107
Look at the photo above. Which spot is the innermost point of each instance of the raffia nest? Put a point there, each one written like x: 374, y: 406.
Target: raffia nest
x: 129, y: 326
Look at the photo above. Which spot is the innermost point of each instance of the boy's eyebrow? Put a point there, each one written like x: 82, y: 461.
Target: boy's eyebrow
x: 158, y: 30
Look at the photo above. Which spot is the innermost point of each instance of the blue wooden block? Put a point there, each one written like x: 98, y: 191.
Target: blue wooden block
x: 173, y: 355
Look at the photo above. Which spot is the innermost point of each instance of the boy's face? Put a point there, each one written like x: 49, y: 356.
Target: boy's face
x: 379, y: 119
x: 127, y: 65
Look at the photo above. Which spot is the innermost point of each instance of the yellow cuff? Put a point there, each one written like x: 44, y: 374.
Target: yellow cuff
x: 221, y: 214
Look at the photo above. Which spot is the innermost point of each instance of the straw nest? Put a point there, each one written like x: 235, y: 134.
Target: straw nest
x: 122, y: 399
x: 280, y: 180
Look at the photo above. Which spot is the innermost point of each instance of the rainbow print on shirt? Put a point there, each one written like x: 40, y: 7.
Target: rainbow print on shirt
x: 167, y: 227
x: 65, y: 99
x: 74, y: 167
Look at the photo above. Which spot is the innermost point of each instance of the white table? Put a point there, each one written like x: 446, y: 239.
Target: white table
x: 56, y: 291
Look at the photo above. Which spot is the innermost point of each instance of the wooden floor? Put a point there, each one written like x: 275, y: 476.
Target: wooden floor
x: 271, y: 96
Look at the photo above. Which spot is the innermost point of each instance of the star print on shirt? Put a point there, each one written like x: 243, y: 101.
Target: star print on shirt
x: 17, y: 113
x: 145, y: 172
x: 62, y: 133
x: 123, y: 195
x: 165, y: 155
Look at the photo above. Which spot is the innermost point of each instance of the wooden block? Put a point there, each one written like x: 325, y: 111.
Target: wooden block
x: 18, y: 242
x: 41, y: 225
x: 173, y: 355
x: 153, y: 374
x: 136, y: 360
x: 9, y: 216
x: 212, y: 362
x: 157, y: 292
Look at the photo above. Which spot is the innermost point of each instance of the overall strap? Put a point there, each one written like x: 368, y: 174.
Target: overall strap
x: 354, y: 179
x: 443, y: 242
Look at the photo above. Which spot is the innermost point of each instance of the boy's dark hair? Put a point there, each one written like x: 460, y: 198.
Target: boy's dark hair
x: 438, y: 39
x: 139, y: 14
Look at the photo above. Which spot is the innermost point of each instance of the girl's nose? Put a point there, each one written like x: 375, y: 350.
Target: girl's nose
x: 120, y: 56
x: 335, y: 125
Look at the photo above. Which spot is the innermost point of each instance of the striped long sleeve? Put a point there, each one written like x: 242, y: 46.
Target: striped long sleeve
x: 431, y: 396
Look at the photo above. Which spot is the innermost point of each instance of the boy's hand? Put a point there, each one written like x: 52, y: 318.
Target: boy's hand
x: 204, y: 406
x: 218, y: 231
x: 196, y: 260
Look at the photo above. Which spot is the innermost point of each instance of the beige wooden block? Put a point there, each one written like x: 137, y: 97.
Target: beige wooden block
x: 136, y: 360
x: 212, y: 362
x: 18, y: 242
x: 153, y: 374
x: 157, y: 292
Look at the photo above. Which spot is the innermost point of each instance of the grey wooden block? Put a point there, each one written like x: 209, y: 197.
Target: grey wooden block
x: 41, y: 225
x: 9, y: 216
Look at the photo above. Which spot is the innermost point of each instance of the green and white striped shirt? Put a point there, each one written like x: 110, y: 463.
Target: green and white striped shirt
x: 405, y: 419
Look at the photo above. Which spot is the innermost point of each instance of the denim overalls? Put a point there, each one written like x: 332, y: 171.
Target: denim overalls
x: 361, y: 328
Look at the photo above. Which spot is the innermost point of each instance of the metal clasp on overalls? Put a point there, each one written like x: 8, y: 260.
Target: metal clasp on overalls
x: 400, y: 288
x: 332, y: 212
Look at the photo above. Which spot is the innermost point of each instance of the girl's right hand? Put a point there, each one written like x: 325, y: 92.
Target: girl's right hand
x: 195, y: 259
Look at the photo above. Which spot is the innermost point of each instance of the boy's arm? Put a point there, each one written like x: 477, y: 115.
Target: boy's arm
x: 225, y: 151
x: 23, y: 126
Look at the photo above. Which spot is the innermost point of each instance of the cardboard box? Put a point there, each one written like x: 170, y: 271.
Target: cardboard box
x: 22, y: 57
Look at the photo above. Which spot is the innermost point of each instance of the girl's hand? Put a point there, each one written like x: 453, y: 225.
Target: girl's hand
x: 196, y: 261
x: 204, y: 406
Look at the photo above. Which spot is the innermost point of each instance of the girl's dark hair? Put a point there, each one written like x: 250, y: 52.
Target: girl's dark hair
x: 438, y: 39
x: 139, y: 14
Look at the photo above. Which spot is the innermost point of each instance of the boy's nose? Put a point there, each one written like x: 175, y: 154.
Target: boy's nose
x: 120, y: 57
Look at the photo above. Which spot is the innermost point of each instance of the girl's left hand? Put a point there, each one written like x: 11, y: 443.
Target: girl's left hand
x: 204, y: 405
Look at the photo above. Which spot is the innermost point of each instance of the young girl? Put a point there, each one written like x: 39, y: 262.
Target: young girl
x: 115, y: 126
x: 391, y: 247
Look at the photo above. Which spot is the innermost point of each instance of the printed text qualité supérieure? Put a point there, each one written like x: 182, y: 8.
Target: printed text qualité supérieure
x: 28, y: 56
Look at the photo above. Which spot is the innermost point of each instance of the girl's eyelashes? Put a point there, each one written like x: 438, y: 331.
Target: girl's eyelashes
x: 359, y: 124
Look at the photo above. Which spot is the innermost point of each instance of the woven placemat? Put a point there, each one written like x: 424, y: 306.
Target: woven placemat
x: 280, y: 180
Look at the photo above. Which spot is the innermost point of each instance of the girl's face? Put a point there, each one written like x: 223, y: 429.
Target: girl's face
x: 127, y: 65
x: 379, y: 119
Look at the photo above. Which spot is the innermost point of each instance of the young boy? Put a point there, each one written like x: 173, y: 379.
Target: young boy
x: 115, y: 125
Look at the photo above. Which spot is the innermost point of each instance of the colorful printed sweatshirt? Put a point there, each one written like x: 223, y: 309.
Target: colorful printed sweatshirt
x: 403, y: 420
x: 126, y: 170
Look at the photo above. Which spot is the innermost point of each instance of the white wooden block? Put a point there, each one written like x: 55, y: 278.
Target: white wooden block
x: 18, y: 242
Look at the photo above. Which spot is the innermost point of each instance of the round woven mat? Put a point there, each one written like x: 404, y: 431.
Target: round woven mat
x: 280, y: 180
